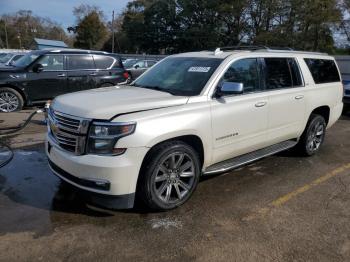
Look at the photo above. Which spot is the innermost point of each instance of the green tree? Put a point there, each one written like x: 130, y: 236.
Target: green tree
x: 22, y: 27
x: 91, y: 32
x: 185, y: 25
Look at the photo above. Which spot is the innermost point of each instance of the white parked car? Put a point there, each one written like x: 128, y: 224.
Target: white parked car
x: 190, y: 115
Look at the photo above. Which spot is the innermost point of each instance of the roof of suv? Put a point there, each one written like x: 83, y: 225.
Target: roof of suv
x: 224, y: 53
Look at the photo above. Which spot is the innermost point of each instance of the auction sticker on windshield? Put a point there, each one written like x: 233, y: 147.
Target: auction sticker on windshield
x: 199, y: 69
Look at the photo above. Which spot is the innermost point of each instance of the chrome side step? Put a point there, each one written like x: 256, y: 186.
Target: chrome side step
x: 238, y: 161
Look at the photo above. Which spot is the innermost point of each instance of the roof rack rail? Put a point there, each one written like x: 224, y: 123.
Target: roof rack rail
x: 253, y: 48
x: 263, y: 48
x: 243, y: 47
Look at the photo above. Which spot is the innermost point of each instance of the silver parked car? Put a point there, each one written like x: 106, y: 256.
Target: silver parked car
x: 140, y: 67
x: 9, y: 58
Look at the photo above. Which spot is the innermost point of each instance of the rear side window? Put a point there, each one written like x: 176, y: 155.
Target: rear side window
x: 79, y: 62
x: 103, y: 62
x: 323, y: 70
x: 282, y: 73
x: 277, y: 73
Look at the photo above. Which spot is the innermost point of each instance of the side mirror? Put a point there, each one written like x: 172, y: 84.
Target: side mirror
x: 229, y: 88
x: 136, y: 66
x: 37, y: 68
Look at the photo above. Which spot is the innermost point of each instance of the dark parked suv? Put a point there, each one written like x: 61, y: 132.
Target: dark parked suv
x: 45, y: 74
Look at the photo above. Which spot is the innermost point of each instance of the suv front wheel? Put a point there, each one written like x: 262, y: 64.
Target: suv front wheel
x: 10, y: 100
x: 170, y: 176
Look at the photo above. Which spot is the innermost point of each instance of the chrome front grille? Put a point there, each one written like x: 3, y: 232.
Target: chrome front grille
x: 67, y: 123
x: 69, y: 132
x: 66, y: 141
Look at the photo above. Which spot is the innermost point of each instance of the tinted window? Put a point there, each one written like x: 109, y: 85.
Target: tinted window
x: 295, y: 72
x: 151, y: 63
x: 140, y: 64
x: 103, y: 62
x: 16, y: 58
x: 277, y: 73
x: 184, y: 76
x: 51, y: 62
x: 76, y: 62
x: 6, y: 58
x: 322, y: 70
x: 244, y: 71
x: 129, y: 62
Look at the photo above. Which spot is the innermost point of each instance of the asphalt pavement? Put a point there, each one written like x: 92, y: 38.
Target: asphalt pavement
x: 281, y: 208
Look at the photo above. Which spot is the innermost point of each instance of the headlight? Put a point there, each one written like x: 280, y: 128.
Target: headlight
x: 104, y: 136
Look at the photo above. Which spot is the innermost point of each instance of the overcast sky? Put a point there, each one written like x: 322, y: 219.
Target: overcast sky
x: 60, y: 11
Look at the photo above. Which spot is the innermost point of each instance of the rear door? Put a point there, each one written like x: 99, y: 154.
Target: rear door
x: 81, y: 72
x: 50, y: 82
x: 110, y: 70
x: 284, y: 84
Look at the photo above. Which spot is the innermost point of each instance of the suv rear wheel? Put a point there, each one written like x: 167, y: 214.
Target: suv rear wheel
x: 313, y: 136
x: 10, y: 100
x: 171, y: 175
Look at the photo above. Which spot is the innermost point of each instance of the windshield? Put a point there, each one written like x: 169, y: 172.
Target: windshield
x: 184, y: 76
x: 26, y: 60
x: 5, y: 58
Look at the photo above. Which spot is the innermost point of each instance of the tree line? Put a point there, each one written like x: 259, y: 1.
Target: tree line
x: 172, y: 26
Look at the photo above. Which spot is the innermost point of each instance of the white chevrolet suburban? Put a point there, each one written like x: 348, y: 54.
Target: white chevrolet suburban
x: 190, y: 115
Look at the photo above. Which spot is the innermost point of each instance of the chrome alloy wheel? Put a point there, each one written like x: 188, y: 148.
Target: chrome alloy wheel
x: 174, y: 177
x: 316, y: 136
x: 8, y: 102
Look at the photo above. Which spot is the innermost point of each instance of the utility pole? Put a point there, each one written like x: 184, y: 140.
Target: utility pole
x: 113, y: 31
x: 20, y: 41
x: 7, y: 41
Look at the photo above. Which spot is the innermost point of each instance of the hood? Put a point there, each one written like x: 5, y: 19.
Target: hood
x: 105, y: 103
x: 7, y: 69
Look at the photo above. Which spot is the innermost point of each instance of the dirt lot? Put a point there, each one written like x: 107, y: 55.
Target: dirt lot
x: 282, y: 208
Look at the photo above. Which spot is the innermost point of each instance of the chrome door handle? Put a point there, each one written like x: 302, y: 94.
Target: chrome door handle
x: 260, y: 104
x: 93, y: 74
x: 299, y: 97
x: 61, y: 75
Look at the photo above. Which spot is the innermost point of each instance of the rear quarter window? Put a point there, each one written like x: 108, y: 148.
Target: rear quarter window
x: 323, y: 70
x: 103, y: 62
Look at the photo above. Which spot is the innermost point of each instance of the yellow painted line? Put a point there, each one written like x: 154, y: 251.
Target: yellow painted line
x: 284, y: 199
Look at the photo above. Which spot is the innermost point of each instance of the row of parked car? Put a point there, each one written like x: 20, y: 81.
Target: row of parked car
x: 9, y: 57
x: 32, y: 77
x: 37, y: 76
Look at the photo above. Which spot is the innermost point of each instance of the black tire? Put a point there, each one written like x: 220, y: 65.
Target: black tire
x: 310, y: 143
x: 106, y: 85
x: 17, y: 101
x: 155, y: 162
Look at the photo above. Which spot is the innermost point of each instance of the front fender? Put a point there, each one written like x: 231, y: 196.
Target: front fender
x: 156, y: 126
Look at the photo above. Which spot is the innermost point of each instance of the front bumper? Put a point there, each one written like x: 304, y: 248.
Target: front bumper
x: 111, y: 180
